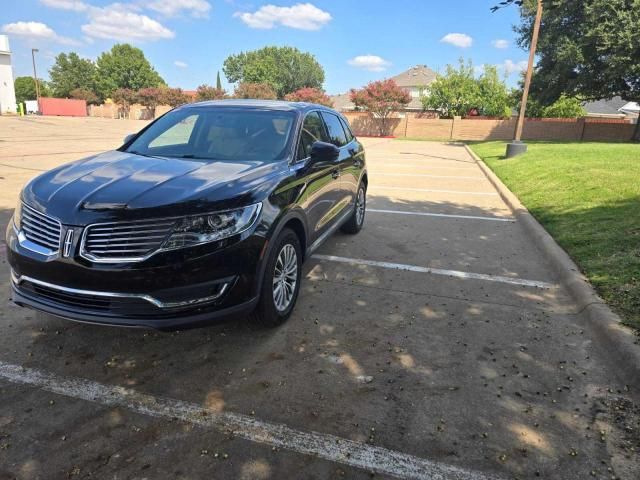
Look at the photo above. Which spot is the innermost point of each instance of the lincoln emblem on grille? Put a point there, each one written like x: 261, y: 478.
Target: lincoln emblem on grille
x: 68, y: 242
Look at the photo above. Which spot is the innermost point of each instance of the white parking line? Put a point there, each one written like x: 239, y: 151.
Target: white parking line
x: 433, y: 190
x: 328, y: 447
x: 385, y: 162
x: 423, y: 175
x: 438, y: 271
x: 445, y: 215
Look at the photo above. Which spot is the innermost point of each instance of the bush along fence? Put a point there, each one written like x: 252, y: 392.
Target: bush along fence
x: 418, y: 125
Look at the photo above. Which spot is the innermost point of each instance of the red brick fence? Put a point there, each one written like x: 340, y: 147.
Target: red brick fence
x: 413, y: 125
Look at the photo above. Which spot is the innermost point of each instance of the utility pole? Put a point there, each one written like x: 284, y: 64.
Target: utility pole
x: 517, y: 147
x: 35, y: 75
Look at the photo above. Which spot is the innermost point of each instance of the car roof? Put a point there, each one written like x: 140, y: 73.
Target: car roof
x: 261, y: 104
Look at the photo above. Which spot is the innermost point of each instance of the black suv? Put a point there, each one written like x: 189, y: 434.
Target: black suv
x: 208, y: 211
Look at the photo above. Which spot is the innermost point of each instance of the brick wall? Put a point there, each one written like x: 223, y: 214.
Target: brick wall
x: 571, y: 129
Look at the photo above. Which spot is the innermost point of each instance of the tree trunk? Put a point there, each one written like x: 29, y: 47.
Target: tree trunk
x: 636, y: 132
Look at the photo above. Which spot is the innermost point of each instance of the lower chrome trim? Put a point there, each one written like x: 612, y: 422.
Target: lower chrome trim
x: 315, y: 245
x: 18, y: 279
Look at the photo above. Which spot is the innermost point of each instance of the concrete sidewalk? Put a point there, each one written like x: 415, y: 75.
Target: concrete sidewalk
x: 437, y: 343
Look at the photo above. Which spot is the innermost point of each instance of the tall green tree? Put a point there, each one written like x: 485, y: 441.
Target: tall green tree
x: 218, y: 82
x: 458, y: 91
x: 285, y: 69
x: 25, y: 89
x: 494, y: 96
x: 588, y: 49
x: 125, y: 66
x: 454, y: 93
x: 70, y: 72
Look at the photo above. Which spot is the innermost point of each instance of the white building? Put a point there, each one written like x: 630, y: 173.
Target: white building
x: 7, y: 92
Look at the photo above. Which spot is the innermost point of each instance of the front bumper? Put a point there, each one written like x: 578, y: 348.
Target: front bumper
x: 175, y: 289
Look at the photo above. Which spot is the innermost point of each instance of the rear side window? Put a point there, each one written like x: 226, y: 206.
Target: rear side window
x: 347, y: 130
x: 312, y: 131
x: 336, y: 132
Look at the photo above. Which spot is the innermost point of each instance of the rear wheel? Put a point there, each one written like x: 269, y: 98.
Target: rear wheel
x: 356, y: 220
x: 281, y: 282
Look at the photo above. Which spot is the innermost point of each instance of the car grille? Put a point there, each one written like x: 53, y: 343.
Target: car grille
x: 125, y: 240
x: 40, y: 229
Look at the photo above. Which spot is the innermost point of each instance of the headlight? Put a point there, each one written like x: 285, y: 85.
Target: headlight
x: 192, y: 231
x: 17, y: 215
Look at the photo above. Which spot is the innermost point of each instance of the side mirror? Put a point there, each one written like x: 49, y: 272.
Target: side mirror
x: 323, y: 152
x: 128, y: 138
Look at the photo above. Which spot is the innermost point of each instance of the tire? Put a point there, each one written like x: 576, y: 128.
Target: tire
x: 356, y: 220
x: 274, y: 309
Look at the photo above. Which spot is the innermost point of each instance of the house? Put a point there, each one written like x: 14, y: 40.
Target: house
x: 615, y: 107
x: 415, y: 81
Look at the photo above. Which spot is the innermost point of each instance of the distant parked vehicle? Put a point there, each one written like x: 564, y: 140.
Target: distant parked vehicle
x: 208, y: 211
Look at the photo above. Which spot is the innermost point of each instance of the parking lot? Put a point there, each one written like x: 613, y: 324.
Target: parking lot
x: 437, y: 343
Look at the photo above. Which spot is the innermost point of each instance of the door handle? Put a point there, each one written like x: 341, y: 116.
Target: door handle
x: 335, y: 174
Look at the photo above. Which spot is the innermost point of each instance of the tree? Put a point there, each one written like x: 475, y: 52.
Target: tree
x: 207, y: 92
x: 286, y: 69
x: 125, y: 66
x: 454, y: 93
x: 587, y: 49
x: 70, y: 72
x: 150, y: 97
x: 255, y: 90
x: 309, y: 95
x: 358, y: 98
x: 124, y: 98
x: 86, y: 95
x: 25, y: 89
x: 173, y: 97
x: 381, y: 98
x: 218, y: 82
x: 494, y: 96
x: 458, y: 91
x: 565, y: 107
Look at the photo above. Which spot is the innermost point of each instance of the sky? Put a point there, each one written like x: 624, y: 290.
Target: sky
x: 187, y: 41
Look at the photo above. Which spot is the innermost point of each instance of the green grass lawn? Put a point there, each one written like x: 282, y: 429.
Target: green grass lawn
x: 587, y: 195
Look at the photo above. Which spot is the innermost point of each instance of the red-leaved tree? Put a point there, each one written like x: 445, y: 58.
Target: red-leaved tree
x: 381, y: 98
x: 309, y: 95
x: 124, y: 98
x: 207, y: 92
x: 174, y: 97
x: 262, y: 91
x: 150, y: 97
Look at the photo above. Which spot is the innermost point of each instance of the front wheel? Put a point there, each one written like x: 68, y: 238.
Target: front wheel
x: 356, y: 220
x: 281, y: 282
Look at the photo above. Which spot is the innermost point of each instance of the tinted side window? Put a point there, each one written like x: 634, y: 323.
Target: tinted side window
x: 336, y: 132
x: 347, y: 130
x: 312, y: 131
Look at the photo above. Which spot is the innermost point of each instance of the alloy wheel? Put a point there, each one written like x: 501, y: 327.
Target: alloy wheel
x: 360, y: 206
x: 285, y: 277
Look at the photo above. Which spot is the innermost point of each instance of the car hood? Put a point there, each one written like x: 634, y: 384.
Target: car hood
x: 119, y: 185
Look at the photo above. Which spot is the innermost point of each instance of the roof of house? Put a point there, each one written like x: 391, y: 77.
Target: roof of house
x: 417, y: 76
x: 605, y: 107
x: 342, y: 102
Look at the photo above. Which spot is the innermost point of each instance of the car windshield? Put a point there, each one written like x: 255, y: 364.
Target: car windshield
x: 221, y: 133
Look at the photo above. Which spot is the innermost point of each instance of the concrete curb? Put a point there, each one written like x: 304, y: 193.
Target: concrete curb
x: 618, y: 341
